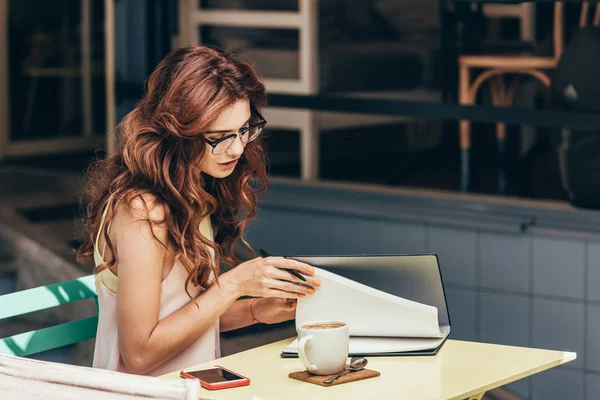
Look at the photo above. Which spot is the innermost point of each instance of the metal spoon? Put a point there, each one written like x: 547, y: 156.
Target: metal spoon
x: 356, y: 364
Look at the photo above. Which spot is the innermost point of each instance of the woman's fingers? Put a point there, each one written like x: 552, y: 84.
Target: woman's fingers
x: 288, y: 287
x: 276, y: 273
x: 282, y: 294
x: 283, y: 304
x: 281, y: 262
x: 287, y: 304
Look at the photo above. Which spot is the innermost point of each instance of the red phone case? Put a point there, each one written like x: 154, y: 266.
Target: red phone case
x: 219, y: 385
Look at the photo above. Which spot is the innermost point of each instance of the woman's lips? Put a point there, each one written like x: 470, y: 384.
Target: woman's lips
x: 229, y: 164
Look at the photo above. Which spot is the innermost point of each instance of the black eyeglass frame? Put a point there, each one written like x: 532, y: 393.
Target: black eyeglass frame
x: 262, y: 123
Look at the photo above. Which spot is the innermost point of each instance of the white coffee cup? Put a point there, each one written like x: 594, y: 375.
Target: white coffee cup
x: 323, y: 346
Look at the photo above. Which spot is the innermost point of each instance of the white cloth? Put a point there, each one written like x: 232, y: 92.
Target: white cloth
x: 25, y: 379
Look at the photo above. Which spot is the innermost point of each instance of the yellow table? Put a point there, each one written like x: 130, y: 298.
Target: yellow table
x: 461, y: 370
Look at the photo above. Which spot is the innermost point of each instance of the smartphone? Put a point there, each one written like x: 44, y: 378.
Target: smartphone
x: 216, y: 378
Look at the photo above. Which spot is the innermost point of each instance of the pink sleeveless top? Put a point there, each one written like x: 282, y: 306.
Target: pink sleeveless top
x: 173, y: 297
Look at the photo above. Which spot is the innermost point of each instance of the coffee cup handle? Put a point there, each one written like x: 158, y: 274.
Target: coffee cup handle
x: 302, y: 353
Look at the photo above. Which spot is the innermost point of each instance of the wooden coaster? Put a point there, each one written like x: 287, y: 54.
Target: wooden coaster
x: 305, y: 376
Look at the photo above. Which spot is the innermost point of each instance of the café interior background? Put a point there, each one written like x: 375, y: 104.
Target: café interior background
x: 520, y: 264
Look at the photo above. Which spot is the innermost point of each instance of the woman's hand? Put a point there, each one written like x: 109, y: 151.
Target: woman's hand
x: 272, y: 310
x: 264, y: 277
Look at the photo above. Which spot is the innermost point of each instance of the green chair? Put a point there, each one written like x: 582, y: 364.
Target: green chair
x: 41, y: 298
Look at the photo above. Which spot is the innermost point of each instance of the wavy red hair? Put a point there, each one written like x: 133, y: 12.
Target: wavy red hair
x: 159, y: 153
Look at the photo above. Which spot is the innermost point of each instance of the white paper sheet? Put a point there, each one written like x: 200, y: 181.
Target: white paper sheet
x: 367, y: 311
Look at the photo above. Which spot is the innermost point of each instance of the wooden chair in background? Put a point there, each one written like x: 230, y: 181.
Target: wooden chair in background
x: 494, y: 68
x: 524, y: 12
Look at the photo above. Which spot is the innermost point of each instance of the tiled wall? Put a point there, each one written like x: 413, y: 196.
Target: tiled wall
x: 514, y: 289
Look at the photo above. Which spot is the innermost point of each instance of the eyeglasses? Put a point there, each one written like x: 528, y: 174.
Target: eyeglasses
x: 247, y: 134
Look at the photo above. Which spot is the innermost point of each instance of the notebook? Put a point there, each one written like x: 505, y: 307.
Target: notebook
x: 393, y: 304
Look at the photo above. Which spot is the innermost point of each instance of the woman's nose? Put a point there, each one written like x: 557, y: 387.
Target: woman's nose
x: 237, y: 148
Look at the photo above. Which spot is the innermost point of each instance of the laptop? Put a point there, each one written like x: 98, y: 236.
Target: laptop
x: 412, y: 277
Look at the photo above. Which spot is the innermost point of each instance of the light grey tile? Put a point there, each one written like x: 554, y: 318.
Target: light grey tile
x: 266, y: 230
x: 592, y: 386
x: 504, y: 261
x: 520, y: 387
x: 307, y: 234
x: 463, y: 315
x: 593, y: 278
x: 593, y: 337
x: 456, y: 252
x: 558, y: 267
x: 558, y: 384
x: 559, y: 325
x: 351, y: 235
x: 291, y: 233
x: 397, y: 238
x: 504, y: 319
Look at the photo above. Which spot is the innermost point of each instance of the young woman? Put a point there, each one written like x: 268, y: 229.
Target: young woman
x: 174, y: 198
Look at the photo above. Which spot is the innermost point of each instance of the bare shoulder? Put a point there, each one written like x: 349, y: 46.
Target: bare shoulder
x: 147, y: 206
x: 139, y: 211
x: 129, y: 225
